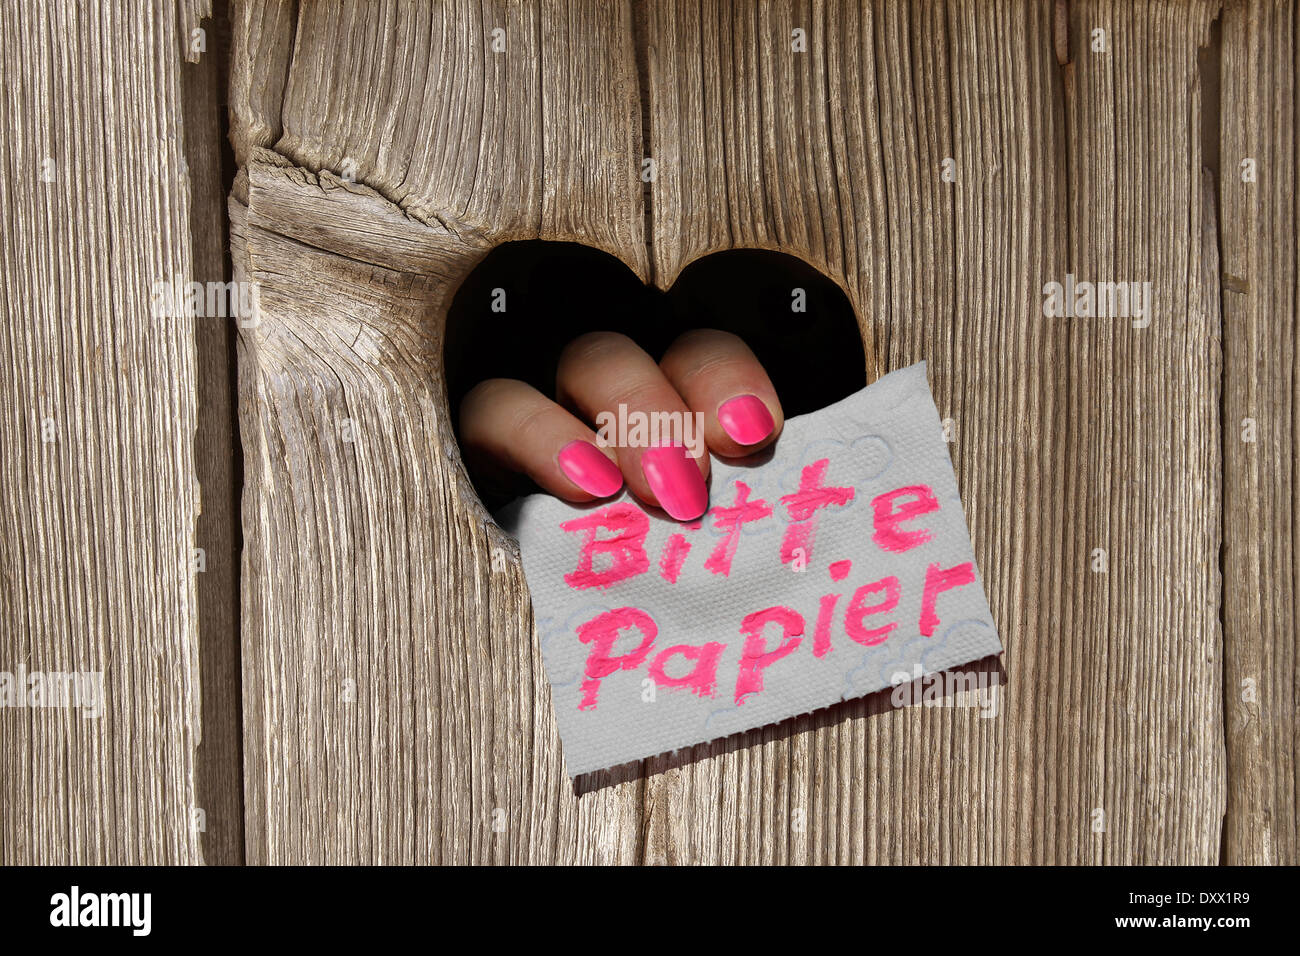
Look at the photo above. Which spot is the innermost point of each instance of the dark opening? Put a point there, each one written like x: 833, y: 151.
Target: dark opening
x: 813, y: 357
x: 552, y: 292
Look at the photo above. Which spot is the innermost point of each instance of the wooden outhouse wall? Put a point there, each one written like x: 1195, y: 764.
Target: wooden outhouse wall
x: 354, y: 676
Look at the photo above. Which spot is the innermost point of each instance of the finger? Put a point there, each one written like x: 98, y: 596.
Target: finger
x: 601, y: 371
x: 516, y: 427
x: 718, y: 375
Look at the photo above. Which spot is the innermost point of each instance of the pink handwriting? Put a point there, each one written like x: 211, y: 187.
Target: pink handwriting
x: 730, y: 520
x: 670, y: 562
x: 858, y: 611
x: 757, y: 658
x: 938, y: 580
x: 613, y: 550
x: 601, y: 632
x: 622, y: 549
x: 626, y: 548
x: 887, y: 519
x: 759, y: 651
x: 803, y: 505
x: 703, y: 676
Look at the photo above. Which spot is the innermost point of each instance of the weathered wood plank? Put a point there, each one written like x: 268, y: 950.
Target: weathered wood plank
x: 489, y: 131
x: 99, y: 501
x: 1261, y: 410
x: 192, y: 29
x: 367, y: 560
x: 261, y: 39
x: 1145, y: 411
x: 1073, y: 434
x: 219, y: 778
x: 845, y: 145
x: 394, y: 699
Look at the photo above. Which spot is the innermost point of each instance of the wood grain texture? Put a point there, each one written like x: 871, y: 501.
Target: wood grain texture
x: 1073, y: 434
x: 1262, y: 534
x: 219, y: 778
x: 193, y: 31
x: 394, y: 702
x: 532, y: 141
x: 99, y: 500
x: 1145, y: 413
x: 261, y: 35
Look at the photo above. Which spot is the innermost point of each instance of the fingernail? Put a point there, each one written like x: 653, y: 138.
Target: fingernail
x: 746, y: 419
x: 676, y: 481
x: 587, y: 467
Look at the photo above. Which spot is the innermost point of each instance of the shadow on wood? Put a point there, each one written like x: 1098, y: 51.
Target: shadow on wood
x: 941, y: 689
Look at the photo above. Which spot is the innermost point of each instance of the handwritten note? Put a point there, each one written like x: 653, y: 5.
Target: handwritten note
x: 840, y: 566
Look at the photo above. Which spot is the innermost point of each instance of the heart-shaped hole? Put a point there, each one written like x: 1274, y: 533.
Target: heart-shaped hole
x: 514, y: 313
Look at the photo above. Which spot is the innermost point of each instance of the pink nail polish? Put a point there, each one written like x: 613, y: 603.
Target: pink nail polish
x: 746, y: 419
x: 676, y: 481
x: 587, y: 467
